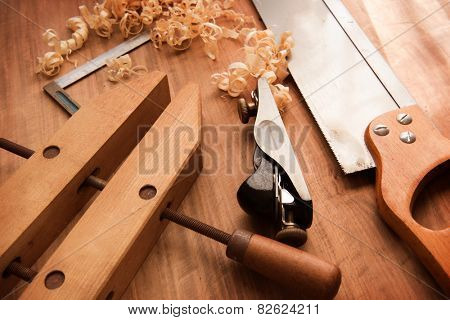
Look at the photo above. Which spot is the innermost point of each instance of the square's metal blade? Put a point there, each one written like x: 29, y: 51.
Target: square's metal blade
x: 99, y: 61
x: 344, y: 80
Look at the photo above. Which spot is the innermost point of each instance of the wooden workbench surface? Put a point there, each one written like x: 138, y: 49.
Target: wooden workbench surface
x: 414, y: 37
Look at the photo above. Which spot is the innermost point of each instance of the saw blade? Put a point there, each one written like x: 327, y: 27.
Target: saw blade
x: 343, y: 78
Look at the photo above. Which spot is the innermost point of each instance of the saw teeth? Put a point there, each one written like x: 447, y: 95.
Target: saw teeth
x: 354, y: 167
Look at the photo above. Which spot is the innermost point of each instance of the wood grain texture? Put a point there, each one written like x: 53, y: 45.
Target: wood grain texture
x: 403, y: 169
x: 346, y: 229
x: 44, y: 195
x: 108, y: 244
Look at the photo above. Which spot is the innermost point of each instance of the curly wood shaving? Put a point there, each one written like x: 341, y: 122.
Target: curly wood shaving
x: 263, y: 58
x: 199, y: 18
x: 151, y: 9
x: 210, y: 34
x: 237, y: 21
x: 177, y: 35
x: 130, y: 23
x: 51, y: 62
x: 281, y: 95
x: 65, y: 47
x: 100, y: 20
x: 122, y: 68
x: 234, y: 81
x: 116, y: 7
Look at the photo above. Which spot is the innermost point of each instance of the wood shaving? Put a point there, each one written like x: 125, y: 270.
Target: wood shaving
x: 263, y: 57
x: 100, y: 20
x: 116, y: 7
x: 281, y: 95
x: 50, y: 63
x: 151, y: 10
x: 177, y: 35
x: 122, y: 68
x: 210, y: 34
x: 234, y: 81
x: 181, y: 22
x: 130, y: 23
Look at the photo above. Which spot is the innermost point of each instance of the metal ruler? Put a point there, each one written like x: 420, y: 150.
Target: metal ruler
x: 56, y: 88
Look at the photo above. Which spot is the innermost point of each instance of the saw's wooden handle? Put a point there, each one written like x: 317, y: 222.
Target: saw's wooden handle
x: 403, y: 165
x: 300, y: 272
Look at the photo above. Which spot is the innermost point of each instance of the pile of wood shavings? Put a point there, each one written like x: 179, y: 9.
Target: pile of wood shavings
x: 173, y: 22
x: 122, y: 68
x: 263, y: 57
x: 177, y: 23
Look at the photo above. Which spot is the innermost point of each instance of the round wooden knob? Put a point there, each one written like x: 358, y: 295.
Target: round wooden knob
x: 246, y: 110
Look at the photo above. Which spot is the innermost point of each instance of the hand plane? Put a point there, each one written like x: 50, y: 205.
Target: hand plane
x: 277, y: 189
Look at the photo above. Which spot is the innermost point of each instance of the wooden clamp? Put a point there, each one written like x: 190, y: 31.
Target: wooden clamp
x: 104, y: 250
x: 42, y: 196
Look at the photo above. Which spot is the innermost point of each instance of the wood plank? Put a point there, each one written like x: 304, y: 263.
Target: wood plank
x: 43, y: 196
x: 346, y: 230
x: 104, y: 250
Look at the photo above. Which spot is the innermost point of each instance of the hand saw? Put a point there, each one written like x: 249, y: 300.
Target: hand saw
x: 362, y: 109
x: 56, y: 88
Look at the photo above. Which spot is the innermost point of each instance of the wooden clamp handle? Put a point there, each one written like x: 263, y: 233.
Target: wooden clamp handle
x: 295, y: 269
x: 407, y: 148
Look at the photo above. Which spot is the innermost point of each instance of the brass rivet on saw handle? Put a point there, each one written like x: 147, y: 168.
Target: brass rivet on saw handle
x: 404, y: 119
x: 381, y: 130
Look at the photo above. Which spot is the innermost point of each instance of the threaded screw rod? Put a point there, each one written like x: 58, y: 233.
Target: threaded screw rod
x: 95, y: 182
x: 20, y: 271
x: 15, y: 148
x: 196, y: 226
x: 24, y: 152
